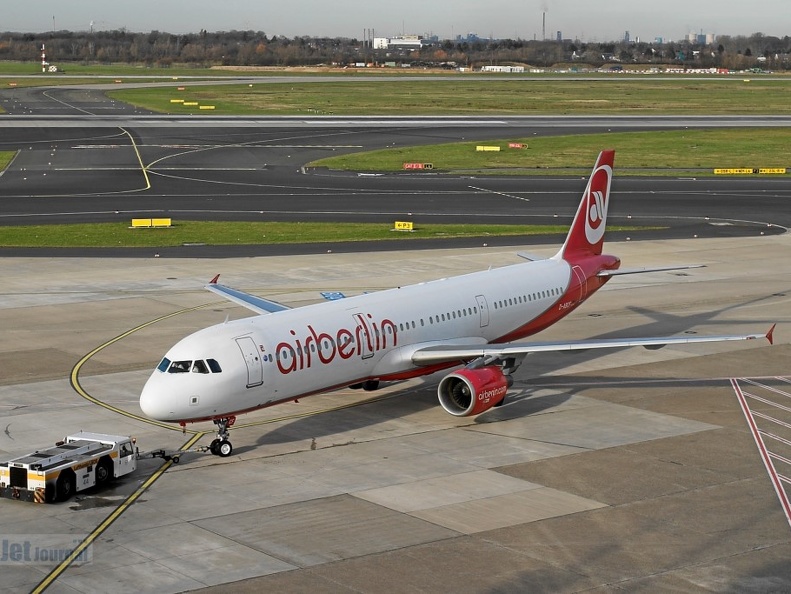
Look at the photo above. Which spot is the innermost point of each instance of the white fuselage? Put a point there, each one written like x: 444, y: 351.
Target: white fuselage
x: 281, y: 356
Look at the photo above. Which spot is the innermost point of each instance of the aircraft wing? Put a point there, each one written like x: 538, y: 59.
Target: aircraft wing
x: 256, y: 304
x: 443, y: 353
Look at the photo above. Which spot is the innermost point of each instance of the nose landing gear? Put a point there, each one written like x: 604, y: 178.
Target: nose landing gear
x: 222, y: 446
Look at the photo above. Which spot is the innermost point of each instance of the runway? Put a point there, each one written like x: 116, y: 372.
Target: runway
x: 635, y: 470
x: 85, y: 158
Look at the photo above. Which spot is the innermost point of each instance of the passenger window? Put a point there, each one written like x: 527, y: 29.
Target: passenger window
x: 214, y: 366
x: 199, y: 367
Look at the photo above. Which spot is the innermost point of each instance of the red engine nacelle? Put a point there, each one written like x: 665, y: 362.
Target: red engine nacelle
x: 472, y: 391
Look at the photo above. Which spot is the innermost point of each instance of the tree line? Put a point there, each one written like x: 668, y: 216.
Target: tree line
x: 255, y: 48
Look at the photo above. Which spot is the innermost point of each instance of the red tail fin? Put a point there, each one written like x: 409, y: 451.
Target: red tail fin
x: 586, y: 235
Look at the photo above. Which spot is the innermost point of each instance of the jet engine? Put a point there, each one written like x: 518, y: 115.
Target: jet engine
x: 470, y: 392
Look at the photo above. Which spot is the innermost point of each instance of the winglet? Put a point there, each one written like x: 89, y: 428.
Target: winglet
x: 214, y: 280
x: 770, y: 334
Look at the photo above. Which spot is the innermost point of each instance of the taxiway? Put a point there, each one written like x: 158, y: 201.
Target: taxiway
x: 629, y: 470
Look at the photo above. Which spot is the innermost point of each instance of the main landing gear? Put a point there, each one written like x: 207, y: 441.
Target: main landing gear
x: 222, y: 446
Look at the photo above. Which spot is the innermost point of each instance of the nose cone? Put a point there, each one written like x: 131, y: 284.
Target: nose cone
x: 154, y: 401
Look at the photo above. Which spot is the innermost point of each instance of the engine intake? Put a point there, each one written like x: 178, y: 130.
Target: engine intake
x: 470, y: 392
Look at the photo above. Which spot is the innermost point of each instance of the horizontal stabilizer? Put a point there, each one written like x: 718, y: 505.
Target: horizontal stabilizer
x: 530, y: 257
x: 256, y: 304
x: 621, y: 271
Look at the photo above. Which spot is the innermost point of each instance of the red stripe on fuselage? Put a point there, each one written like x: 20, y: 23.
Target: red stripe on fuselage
x: 571, y: 299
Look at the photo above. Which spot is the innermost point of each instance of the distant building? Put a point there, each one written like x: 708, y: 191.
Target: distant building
x: 402, y: 42
x: 701, y: 39
x: 470, y: 38
x: 559, y: 36
x: 503, y: 69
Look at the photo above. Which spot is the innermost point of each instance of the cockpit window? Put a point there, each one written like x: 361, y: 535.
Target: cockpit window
x: 199, y: 367
x: 180, y: 367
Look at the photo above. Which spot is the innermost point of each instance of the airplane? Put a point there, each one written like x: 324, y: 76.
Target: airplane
x: 472, y: 321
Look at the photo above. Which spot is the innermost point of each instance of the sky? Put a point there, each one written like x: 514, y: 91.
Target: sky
x: 586, y: 20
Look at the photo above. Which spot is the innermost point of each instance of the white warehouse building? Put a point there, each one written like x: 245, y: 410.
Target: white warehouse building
x: 405, y: 42
x: 502, y: 69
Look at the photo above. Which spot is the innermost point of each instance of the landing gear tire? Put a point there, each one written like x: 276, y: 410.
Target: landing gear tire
x: 225, y: 449
x: 222, y: 446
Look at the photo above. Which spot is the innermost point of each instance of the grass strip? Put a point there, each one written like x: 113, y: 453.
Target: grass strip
x: 637, y: 153
x: 6, y: 157
x: 443, y: 95
x: 248, y: 233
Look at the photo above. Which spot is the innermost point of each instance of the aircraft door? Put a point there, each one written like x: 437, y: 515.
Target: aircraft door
x: 364, y: 337
x: 483, y: 309
x: 255, y: 367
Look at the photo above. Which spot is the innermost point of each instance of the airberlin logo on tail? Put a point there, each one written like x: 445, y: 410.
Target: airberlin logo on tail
x: 596, y: 202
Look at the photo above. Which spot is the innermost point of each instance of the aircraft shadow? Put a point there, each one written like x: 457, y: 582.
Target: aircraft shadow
x: 660, y: 324
x: 519, y: 403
